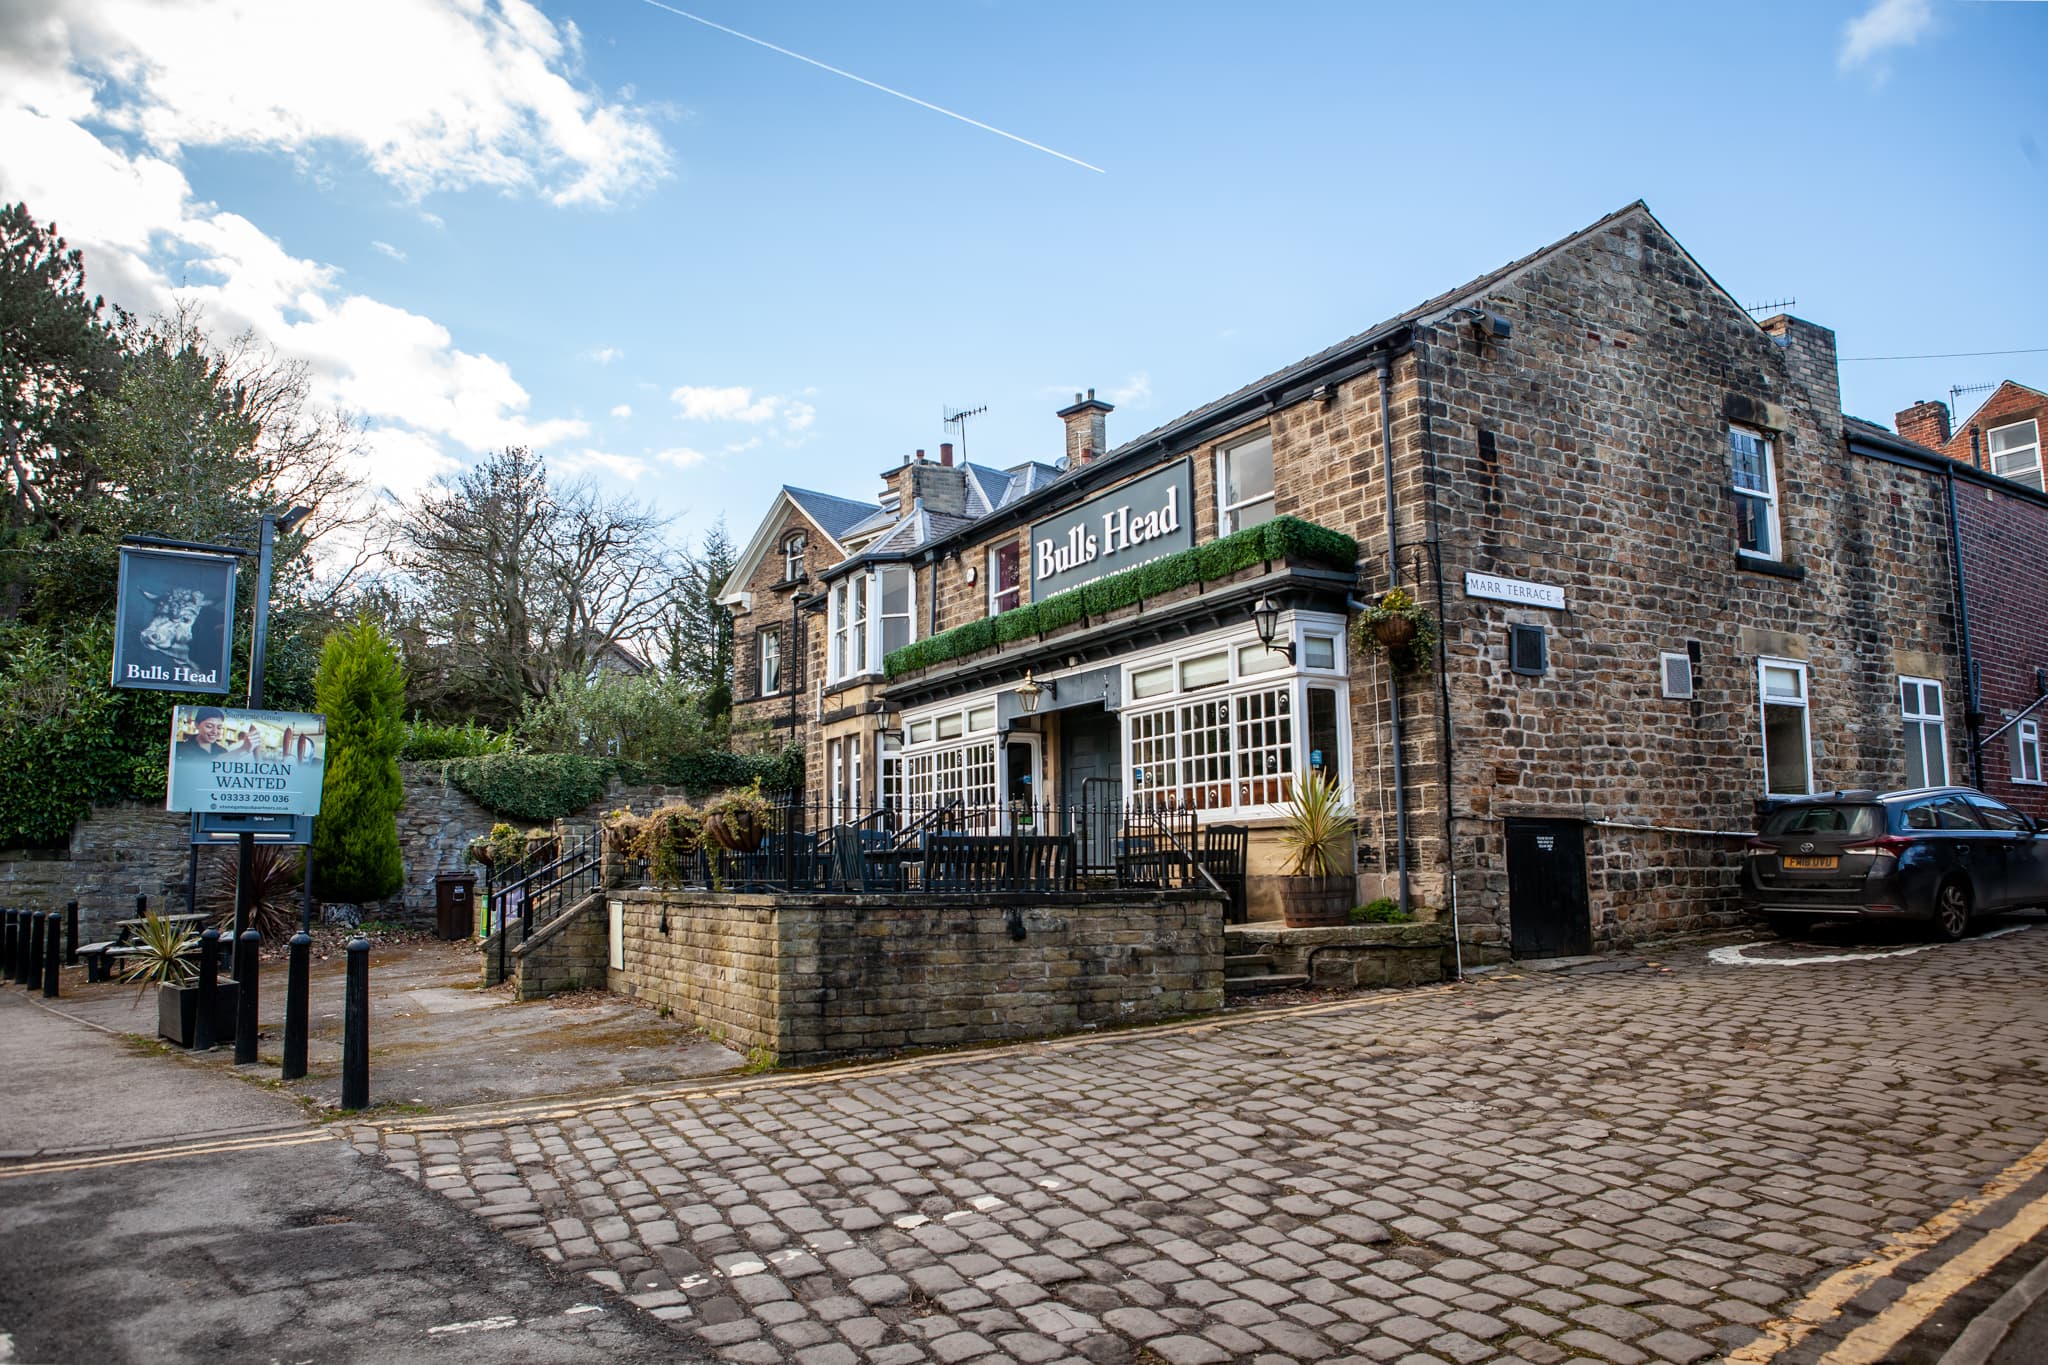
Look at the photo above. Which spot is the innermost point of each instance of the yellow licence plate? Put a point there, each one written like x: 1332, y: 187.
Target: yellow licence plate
x: 1798, y: 864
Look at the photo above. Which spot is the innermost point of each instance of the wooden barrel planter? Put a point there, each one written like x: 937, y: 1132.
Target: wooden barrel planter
x: 1317, y: 902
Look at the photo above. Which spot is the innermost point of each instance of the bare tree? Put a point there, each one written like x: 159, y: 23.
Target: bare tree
x: 516, y: 581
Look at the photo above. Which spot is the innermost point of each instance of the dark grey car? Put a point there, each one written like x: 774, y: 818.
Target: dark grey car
x: 1939, y: 854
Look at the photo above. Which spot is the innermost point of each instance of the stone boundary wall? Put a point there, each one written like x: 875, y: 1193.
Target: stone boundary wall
x: 568, y: 954
x: 809, y: 978
x: 133, y: 848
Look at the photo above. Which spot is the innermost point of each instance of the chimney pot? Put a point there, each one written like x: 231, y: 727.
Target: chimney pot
x: 1087, y: 428
x: 920, y: 454
x: 946, y: 453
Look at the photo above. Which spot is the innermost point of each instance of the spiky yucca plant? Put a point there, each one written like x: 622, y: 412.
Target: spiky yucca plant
x: 1318, y: 827
x: 163, y: 954
x: 277, y: 882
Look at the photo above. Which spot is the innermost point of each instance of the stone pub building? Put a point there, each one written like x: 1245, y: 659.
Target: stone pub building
x: 1667, y: 591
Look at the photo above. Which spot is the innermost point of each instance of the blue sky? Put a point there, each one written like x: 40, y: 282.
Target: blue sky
x: 696, y: 269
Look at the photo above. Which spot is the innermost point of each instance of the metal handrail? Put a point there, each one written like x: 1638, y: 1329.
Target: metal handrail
x: 526, y: 906
x: 1192, y: 860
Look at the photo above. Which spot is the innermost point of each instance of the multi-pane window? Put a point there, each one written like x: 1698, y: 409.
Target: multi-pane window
x: 1152, y: 757
x: 918, y: 780
x: 1788, y: 760
x: 849, y: 627
x: 1205, y: 754
x: 1244, y: 484
x: 898, y: 608
x: 1926, y: 737
x: 2026, y: 751
x: 2016, y: 452
x: 793, y: 558
x: 1755, y: 480
x: 890, y: 788
x: 948, y: 773
x: 1005, y: 578
x: 980, y: 762
x: 1265, y: 747
x: 771, y: 661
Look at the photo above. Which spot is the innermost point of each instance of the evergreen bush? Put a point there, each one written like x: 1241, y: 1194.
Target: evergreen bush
x: 360, y: 688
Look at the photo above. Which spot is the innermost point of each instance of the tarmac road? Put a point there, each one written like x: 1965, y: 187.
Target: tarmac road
x: 120, y: 1242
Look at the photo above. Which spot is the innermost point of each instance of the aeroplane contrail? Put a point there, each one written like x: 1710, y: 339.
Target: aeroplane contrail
x: 875, y: 85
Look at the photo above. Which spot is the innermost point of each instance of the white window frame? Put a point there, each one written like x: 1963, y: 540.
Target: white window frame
x: 2030, y: 476
x: 1804, y: 705
x: 996, y: 605
x: 877, y: 597
x: 2026, y: 754
x: 1227, y: 512
x: 854, y: 637
x: 1917, y: 721
x: 1767, y: 495
x: 793, y: 546
x: 769, y: 645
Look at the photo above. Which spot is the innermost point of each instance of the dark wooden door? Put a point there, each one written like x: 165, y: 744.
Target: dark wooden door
x: 1548, y: 912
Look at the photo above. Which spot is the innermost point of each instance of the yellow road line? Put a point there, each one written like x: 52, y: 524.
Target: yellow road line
x: 458, y: 1121
x: 64, y: 1165
x: 1872, y: 1342
x: 1825, y: 1303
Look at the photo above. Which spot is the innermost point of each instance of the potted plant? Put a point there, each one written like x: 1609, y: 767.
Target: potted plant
x: 670, y: 839
x: 739, y: 818
x: 1319, y: 888
x: 165, y: 954
x: 624, y: 846
x: 1397, y: 623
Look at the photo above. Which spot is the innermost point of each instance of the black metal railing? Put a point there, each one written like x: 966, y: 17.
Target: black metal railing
x: 542, y: 887
x: 955, y: 846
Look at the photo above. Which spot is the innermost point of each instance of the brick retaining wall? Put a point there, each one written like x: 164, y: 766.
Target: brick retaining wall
x: 812, y: 977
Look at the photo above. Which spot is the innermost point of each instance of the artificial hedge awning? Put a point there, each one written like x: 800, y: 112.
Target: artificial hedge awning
x: 1280, y: 538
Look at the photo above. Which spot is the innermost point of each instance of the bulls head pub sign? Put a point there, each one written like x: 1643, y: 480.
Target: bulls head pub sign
x: 1127, y: 526
x: 174, y: 626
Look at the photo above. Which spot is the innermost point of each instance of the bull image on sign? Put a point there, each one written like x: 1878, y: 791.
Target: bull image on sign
x: 264, y: 762
x: 174, y: 628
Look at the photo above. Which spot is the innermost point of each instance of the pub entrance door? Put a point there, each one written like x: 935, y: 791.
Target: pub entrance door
x: 1548, y: 913
x: 1091, y: 781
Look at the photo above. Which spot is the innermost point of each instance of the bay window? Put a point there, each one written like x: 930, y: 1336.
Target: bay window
x: 869, y: 613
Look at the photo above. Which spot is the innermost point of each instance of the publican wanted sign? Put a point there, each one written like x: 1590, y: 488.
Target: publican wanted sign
x: 174, y: 626
x: 272, y: 762
x: 1130, y: 524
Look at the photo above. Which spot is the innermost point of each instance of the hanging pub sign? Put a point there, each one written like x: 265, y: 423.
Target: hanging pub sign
x: 174, y: 622
x: 1134, y: 522
x: 259, y: 762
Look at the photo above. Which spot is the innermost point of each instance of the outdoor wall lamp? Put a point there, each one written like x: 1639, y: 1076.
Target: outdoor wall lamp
x: 1266, y: 616
x: 1030, y: 690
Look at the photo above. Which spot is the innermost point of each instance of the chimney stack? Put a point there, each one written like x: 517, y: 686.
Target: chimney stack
x: 1087, y: 428
x: 946, y: 454
x: 1926, y: 422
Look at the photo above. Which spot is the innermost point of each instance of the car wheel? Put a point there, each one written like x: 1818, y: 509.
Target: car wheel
x: 1952, y: 911
x: 1790, y: 926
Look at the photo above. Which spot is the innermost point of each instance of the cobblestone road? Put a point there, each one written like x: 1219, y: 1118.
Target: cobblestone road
x: 1617, y: 1166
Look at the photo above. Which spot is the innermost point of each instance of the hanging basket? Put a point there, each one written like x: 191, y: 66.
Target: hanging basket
x: 1394, y: 632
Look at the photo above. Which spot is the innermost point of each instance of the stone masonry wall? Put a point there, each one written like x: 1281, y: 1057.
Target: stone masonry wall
x: 569, y: 954
x: 1590, y: 451
x: 812, y: 977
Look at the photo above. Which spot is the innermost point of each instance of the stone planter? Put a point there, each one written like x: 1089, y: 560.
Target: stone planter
x: 177, y: 1012
x: 1317, y: 902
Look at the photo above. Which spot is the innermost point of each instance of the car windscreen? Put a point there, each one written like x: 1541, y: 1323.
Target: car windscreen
x: 1852, y: 821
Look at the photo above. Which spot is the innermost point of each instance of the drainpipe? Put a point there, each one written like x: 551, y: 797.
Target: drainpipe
x: 1443, y: 672
x: 1393, y: 676
x: 1973, y: 710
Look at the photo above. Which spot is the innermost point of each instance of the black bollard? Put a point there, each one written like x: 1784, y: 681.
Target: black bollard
x: 15, y: 969
x: 355, y: 1028
x: 71, y: 934
x: 297, y: 986
x: 141, y: 907
x: 53, y: 957
x: 7, y: 945
x: 209, y: 990
x: 34, y: 979
x: 245, y: 996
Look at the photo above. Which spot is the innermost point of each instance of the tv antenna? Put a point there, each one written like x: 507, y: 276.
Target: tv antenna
x: 1956, y: 391
x: 957, y: 417
x: 1773, y: 306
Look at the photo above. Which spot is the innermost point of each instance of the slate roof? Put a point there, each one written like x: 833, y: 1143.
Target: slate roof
x: 835, y: 515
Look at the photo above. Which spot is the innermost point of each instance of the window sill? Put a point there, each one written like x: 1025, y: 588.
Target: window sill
x: 1775, y: 568
x: 788, y: 583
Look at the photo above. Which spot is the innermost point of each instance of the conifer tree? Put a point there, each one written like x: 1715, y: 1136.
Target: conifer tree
x: 361, y: 689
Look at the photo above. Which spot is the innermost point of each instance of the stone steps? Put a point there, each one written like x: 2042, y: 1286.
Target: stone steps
x: 1247, y: 964
x: 1271, y: 983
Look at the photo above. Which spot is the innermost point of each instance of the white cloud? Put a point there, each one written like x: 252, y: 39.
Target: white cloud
x: 741, y: 447
x: 389, y: 250
x: 604, y: 355
x: 626, y: 467
x: 1887, y: 24
x: 140, y: 228
x: 623, y: 410
x: 1135, y: 393
x: 734, y: 404
x: 431, y: 94
x: 799, y: 416
x: 681, y: 457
